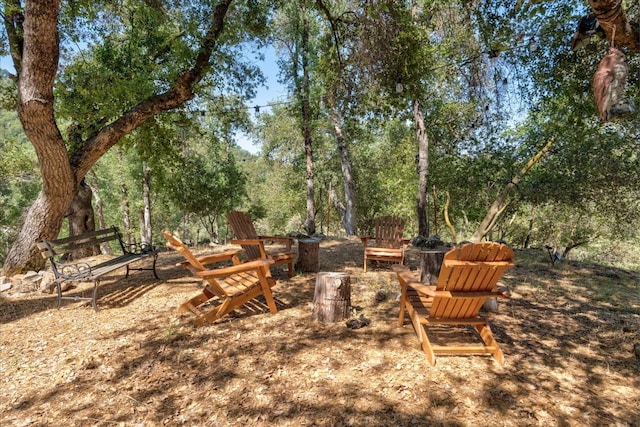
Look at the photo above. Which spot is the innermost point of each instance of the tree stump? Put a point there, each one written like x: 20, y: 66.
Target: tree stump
x: 332, y: 297
x: 308, y: 255
x: 430, y: 263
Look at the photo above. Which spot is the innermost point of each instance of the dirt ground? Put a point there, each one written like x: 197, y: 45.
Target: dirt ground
x: 567, y: 333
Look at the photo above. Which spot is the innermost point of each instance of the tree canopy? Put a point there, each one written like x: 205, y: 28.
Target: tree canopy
x: 394, y: 106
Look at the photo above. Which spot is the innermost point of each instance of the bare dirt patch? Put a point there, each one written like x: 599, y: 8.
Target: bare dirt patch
x: 568, y: 344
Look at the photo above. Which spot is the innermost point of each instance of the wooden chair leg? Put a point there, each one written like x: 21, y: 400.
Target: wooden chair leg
x: 489, y: 341
x: 403, y: 302
x: 193, y: 303
x: 290, y: 268
x: 423, y: 338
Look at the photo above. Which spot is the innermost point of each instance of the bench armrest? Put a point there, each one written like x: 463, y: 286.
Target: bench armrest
x: 74, y: 271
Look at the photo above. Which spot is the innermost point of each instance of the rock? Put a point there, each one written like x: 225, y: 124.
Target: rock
x: 32, y: 278
x: 47, y: 284
x: 358, y: 323
x: 5, y: 284
x: 636, y: 350
x: 491, y: 305
x: 381, y: 295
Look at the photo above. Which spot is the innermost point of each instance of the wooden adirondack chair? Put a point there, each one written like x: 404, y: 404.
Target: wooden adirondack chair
x: 469, y: 275
x: 227, y: 288
x: 253, y: 245
x: 387, y: 245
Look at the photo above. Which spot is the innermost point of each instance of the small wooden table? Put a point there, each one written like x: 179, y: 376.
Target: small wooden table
x: 308, y: 255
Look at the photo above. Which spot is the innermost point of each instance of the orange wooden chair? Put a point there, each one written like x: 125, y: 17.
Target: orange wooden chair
x: 226, y: 288
x: 254, y: 245
x: 387, y: 245
x: 469, y: 275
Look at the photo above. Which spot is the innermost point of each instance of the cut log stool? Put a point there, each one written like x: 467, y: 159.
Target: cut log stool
x: 309, y: 255
x: 332, y: 297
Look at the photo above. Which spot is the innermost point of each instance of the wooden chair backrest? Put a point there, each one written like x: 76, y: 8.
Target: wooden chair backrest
x: 194, y: 265
x: 242, y: 226
x: 388, y: 232
x: 177, y: 245
x: 474, y: 267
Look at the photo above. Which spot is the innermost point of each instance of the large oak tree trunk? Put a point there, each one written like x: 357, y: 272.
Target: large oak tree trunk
x: 35, y: 53
x: 81, y: 219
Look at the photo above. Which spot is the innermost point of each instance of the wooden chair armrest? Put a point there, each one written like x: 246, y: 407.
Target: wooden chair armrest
x: 407, y: 278
x: 288, y: 241
x: 421, y: 288
x: 222, y: 256
x: 247, y: 242
x: 226, y: 271
x: 277, y: 238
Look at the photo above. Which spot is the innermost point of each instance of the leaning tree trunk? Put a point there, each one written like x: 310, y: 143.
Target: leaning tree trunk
x: 126, y: 216
x: 349, y: 218
x: 423, y: 170
x: 37, y: 64
x: 146, y: 231
x: 501, y: 202
x: 104, y: 246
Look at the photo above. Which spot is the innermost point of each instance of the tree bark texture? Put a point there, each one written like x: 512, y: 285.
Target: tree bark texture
x: 332, y: 297
x: 104, y: 247
x: 309, y: 255
x: 81, y: 219
x: 614, y: 21
x: 430, y: 264
x: 423, y: 170
x: 35, y: 52
x: 305, y: 91
x: 146, y: 232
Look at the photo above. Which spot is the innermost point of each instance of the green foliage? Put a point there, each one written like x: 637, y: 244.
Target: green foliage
x: 19, y: 178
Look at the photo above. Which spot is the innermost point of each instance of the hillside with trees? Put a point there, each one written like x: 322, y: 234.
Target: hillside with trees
x: 481, y: 109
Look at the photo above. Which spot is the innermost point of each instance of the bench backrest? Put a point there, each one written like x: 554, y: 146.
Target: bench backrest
x: 62, y: 249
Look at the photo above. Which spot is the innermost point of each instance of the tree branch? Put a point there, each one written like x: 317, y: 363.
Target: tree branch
x: 615, y: 23
x: 181, y: 92
x: 500, y: 202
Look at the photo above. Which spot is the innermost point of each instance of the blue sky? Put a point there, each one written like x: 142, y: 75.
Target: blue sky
x: 271, y: 92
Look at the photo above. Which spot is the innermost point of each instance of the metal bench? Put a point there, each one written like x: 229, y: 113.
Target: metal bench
x: 58, y: 251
